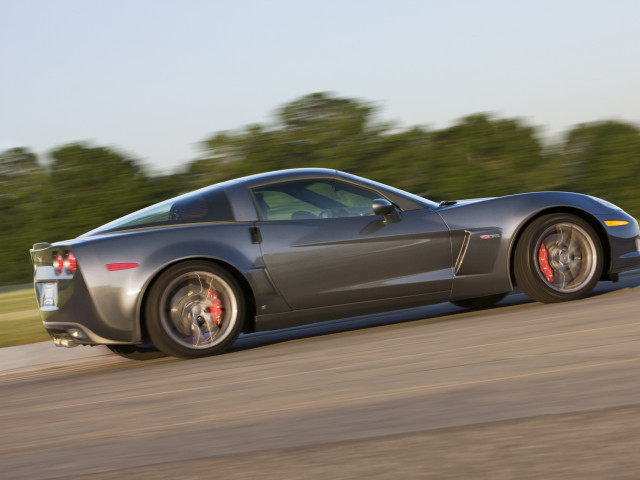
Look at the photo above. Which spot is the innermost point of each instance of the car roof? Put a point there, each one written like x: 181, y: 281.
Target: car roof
x: 280, y: 175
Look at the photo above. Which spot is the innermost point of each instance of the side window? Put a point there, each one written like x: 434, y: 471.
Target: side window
x: 280, y: 205
x: 210, y: 206
x: 310, y: 199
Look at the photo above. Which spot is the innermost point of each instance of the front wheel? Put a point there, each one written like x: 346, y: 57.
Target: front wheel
x: 195, y: 309
x: 558, y: 258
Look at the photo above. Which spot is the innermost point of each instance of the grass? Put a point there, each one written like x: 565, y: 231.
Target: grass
x: 20, y: 321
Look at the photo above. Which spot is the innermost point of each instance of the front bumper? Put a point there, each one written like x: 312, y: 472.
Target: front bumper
x: 624, y: 242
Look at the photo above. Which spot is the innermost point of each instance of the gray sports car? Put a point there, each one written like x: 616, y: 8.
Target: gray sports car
x: 186, y: 276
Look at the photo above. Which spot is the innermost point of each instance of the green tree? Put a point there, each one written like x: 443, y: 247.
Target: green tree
x: 317, y: 130
x: 21, y: 182
x: 89, y: 186
x: 481, y: 156
x: 603, y: 159
x: 401, y: 159
x: 82, y: 188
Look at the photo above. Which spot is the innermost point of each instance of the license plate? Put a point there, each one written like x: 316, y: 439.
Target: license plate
x: 48, y: 296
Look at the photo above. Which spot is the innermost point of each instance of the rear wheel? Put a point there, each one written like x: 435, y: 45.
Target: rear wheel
x: 195, y: 309
x: 137, y: 352
x: 559, y: 257
x: 479, y: 302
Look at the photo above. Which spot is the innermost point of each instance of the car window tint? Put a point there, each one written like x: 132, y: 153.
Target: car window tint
x: 313, y: 199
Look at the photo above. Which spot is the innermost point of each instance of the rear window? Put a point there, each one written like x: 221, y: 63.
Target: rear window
x: 201, y: 206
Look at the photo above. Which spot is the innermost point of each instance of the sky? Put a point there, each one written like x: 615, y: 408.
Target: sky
x: 153, y: 79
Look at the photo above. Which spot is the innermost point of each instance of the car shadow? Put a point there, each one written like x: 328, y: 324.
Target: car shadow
x: 437, y: 312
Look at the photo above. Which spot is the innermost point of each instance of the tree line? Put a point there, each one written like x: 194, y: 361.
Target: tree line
x: 83, y: 186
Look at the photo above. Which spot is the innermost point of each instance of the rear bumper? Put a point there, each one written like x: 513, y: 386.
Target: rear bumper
x: 69, y: 311
x: 73, y: 334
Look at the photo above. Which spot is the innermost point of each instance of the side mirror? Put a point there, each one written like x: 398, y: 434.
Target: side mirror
x: 386, y: 209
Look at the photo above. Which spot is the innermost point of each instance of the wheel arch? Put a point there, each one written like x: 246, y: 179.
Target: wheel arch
x: 584, y: 215
x: 229, y: 268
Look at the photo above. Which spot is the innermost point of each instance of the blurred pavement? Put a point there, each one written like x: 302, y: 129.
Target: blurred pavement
x: 43, y: 355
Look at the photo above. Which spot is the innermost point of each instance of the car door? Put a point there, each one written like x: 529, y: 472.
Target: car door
x: 322, y: 245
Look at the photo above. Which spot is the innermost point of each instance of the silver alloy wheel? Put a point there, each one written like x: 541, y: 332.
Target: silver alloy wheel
x: 566, y: 257
x: 198, y: 310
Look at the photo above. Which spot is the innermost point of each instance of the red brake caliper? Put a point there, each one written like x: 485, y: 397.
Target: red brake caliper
x: 543, y: 259
x: 215, y: 307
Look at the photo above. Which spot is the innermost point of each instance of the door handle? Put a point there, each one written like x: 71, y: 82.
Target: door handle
x: 256, y: 236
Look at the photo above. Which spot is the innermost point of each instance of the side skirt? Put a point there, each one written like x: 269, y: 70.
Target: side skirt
x: 295, y: 318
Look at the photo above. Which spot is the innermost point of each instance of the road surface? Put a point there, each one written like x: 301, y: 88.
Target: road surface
x: 522, y: 390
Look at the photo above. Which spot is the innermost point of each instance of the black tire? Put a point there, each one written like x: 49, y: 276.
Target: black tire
x: 479, y: 302
x: 195, y: 309
x: 558, y: 258
x: 137, y: 352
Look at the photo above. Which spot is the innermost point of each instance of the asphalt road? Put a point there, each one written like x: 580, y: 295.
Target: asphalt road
x: 522, y: 390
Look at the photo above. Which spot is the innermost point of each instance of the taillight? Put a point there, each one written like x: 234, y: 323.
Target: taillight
x: 71, y: 263
x: 65, y: 263
x: 58, y: 263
